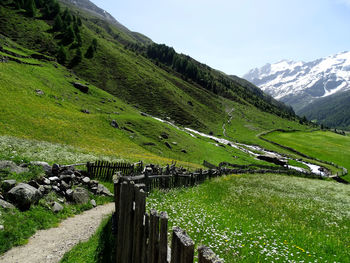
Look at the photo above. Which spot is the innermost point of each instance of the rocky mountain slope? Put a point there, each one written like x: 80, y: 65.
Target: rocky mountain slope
x: 302, y: 83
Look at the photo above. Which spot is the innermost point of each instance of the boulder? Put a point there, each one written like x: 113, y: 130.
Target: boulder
x: 12, y: 167
x: 83, y: 88
x: 6, y: 185
x: 39, y: 92
x: 80, y: 196
x: 56, y: 207
x: 164, y: 135
x: 1, y: 227
x: 114, y: 124
x: 54, y: 178
x: 85, y: 111
x: 46, y: 181
x: 69, y: 192
x: 6, y: 205
x: 23, y: 196
x: 55, y: 169
x: 183, y: 151
x: 46, y: 167
x: 167, y: 145
x: 86, y: 180
x: 101, y: 189
x: 93, y: 203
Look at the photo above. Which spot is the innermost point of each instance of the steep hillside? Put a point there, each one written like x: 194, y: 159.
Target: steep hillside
x: 120, y: 66
x: 300, y: 83
x: 107, y: 58
x: 332, y: 111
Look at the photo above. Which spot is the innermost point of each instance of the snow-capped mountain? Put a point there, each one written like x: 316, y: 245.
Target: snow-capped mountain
x: 300, y: 83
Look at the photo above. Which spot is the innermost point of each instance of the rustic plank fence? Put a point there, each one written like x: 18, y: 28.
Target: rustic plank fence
x: 143, y: 237
x: 105, y: 170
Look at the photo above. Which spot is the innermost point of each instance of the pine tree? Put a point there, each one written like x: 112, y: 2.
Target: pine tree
x: 58, y: 24
x: 62, y: 55
x: 89, y: 52
x: 30, y: 8
x: 94, y: 44
x: 77, y: 58
x: 69, y: 35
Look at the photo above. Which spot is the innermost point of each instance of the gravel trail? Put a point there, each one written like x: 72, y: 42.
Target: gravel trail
x: 49, y: 246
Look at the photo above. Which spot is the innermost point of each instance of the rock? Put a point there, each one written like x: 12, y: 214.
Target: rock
x: 46, y: 167
x: 23, y: 196
x: 69, y: 192
x: 86, y: 180
x: 47, y: 188
x: 183, y: 151
x: 66, y: 177
x: 6, y: 205
x: 64, y: 186
x: 83, y: 88
x: 39, y: 92
x: 42, y: 190
x: 56, y: 188
x: 101, y: 189
x: 80, y: 196
x: 114, y: 124
x: 12, y: 167
x: 143, y: 114
x: 55, y: 169
x: 149, y: 144
x: 175, y: 143
x: 93, y: 203
x: 164, y: 135
x: 46, y: 181
x: 6, y: 185
x: 167, y: 145
x: 54, y: 179
x: 34, y: 184
x: 85, y: 111
x: 56, y: 207
x: 1, y: 227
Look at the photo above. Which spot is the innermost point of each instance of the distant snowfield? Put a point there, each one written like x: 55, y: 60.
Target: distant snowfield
x: 312, y: 80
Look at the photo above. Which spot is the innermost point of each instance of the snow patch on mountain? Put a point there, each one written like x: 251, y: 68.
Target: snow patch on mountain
x: 308, y: 81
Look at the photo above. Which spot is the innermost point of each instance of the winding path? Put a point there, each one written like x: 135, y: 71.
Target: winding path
x: 49, y: 246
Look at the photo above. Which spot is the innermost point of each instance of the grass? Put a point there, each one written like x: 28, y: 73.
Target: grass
x: 99, y: 248
x: 263, y: 218
x: 323, y: 145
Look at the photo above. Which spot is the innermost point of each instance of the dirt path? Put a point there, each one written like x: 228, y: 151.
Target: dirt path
x: 48, y: 246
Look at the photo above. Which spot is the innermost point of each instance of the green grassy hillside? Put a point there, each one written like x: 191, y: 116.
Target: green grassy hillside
x: 323, y: 145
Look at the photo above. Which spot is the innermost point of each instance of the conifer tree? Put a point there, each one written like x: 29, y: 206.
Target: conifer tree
x: 77, y: 58
x: 69, y: 35
x: 30, y: 8
x: 58, y: 24
x: 62, y: 55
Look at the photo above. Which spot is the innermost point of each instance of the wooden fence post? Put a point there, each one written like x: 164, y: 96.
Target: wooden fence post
x: 125, y: 228
x: 154, y: 237
x: 206, y: 255
x: 140, y: 208
x: 182, y: 247
x: 163, y: 238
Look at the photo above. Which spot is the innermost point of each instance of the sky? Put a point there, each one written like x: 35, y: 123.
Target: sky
x: 235, y: 36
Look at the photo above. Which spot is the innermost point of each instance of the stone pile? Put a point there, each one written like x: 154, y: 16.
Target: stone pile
x: 69, y: 184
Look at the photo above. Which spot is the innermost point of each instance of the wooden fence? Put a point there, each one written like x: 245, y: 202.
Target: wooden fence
x: 105, y: 170
x: 143, y: 237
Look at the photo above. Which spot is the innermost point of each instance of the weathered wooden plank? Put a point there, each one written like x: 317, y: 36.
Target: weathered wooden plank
x: 182, y: 250
x: 140, y: 208
x: 145, y: 241
x: 154, y: 237
x: 206, y: 255
x: 163, y: 238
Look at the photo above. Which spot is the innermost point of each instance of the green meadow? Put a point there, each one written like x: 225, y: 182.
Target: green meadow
x: 263, y: 218
x: 323, y: 145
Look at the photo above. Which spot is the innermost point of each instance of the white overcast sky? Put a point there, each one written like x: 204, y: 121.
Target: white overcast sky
x: 238, y: 35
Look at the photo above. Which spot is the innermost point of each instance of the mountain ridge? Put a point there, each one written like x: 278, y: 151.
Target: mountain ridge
x: 301, y: 83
